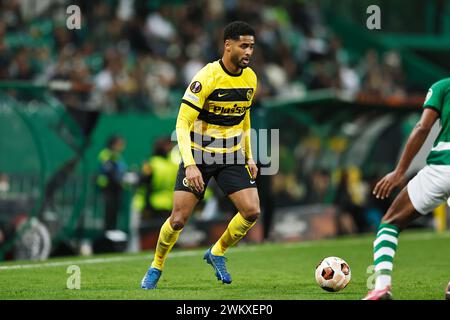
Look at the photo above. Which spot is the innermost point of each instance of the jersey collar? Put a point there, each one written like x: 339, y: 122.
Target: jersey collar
x: 228, y: 72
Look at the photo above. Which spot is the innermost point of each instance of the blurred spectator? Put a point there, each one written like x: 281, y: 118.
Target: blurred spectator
x: 107, y: 81
x: 20, y: 67
x: 4, y: 52
x: 11, y: 14
x: 154, y: 194
x: 112, y: 169
x: 141, y: 55
x: 4, y: 183
x: 319, y: 183
x: 157, y: 180
x: 382, y: 79
x: 346, y: 204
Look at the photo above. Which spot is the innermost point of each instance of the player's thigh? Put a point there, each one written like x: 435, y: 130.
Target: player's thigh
x: 429, y: 188
x: 181, y: 183
x: 247, y: 202
x: 233, y: 178
x: 236, y: 183
x: 183, y: 205
x: 402, y: 211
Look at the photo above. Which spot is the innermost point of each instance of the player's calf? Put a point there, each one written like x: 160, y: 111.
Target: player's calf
x: 402, y: 212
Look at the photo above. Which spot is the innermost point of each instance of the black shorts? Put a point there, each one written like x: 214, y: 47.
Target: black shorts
x: 229, y: 177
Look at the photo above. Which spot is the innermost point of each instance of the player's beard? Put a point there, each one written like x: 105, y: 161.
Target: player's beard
x: 242, y: 65
x: 238, y: 62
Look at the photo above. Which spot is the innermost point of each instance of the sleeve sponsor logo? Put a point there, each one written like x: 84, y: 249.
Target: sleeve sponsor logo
x: 191, y: 97
x: 196, y: 87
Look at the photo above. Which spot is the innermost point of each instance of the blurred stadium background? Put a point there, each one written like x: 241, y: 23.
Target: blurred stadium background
x: 344, y: 98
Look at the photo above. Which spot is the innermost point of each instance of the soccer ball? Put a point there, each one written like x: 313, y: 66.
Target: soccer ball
x: 333, y: 274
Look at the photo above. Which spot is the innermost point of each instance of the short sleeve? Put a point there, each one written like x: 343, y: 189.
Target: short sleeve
x: 434, y: 97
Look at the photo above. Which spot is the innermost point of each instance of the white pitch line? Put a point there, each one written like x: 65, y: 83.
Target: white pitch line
x: 194, y: 253
x: 93, y: 261
x: 65, y: 263
x: 112, y: 259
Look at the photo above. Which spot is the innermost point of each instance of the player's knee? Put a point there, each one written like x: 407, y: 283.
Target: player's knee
x: 251, y: 215
x: 177, y: 222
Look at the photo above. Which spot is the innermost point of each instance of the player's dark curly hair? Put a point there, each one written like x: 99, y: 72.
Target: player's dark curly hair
x: 236, y: 29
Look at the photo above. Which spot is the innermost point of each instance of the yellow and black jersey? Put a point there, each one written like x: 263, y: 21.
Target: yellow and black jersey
x: 214, y: 115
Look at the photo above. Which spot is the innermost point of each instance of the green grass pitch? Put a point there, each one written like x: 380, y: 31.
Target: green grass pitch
x: 272, y: 271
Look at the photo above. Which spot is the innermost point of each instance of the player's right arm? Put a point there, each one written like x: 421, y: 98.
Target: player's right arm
x: 185, y: 119
x: 431, y: 112
x: 191, y: 105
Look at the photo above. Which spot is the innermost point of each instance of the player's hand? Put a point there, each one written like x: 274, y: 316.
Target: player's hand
x: 385, y: 186
x: 194, y: 178
x: 253, y: 168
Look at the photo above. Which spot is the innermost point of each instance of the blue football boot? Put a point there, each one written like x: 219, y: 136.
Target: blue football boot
x: 151, y: 278
x: 218, y: 263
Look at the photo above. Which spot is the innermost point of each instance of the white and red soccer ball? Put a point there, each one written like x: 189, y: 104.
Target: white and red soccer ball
x: 333, y: 274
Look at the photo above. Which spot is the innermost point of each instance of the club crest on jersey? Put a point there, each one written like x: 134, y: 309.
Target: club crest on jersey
x: 249, y: 94
x: 196, y: 87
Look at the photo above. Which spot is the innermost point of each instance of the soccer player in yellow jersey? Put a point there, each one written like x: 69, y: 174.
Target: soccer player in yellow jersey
x: 213, y: 131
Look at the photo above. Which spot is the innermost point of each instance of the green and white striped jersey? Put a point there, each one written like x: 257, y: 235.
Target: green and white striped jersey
x: 438, y: 98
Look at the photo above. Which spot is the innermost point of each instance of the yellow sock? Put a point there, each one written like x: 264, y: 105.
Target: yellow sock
x: 167, y: 238
x: 237, y: 229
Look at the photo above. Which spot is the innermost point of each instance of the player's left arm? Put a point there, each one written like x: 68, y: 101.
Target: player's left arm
x: 432, y: 107
x: 415, y: 141
x: 247, y: 141
x: 247, y: 146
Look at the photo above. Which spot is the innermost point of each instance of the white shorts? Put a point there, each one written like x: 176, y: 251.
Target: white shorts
x: 429, y: 188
